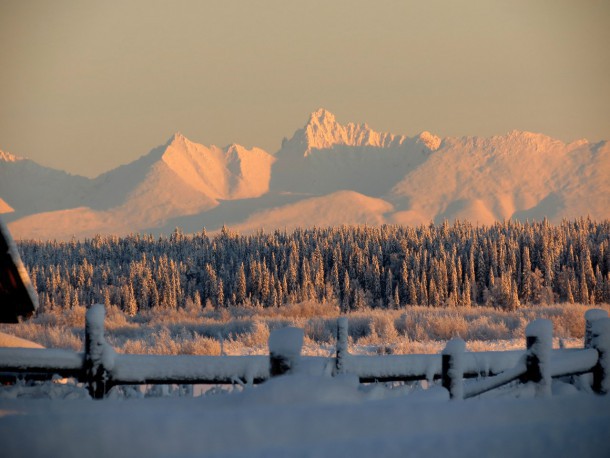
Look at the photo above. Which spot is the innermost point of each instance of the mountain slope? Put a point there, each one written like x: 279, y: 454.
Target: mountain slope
x: 230, y: 173
x: 325, y: 156
x: 518, y: 175
x: 29, y: 188
x: 342, y: 207
x: 176, y: 179
x: 5, y: 208
x: 327, y: 173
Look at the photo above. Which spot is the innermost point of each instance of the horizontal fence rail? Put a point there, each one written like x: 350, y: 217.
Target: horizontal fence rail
x: 100, y: 368
x: 487, y: 384
x: 151, y: 369
x: 65, y: 363
x: 387, y: 368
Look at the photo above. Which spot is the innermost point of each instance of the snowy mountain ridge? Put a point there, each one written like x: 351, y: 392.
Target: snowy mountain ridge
x: 322, y: 131
x: 327, y: 173
x: 226, y: 173
x: 8, y: 157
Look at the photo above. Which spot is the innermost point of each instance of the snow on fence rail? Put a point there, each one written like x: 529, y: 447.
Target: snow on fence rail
x: 100, y: 368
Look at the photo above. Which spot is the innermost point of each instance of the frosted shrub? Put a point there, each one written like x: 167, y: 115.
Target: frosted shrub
x: 382, y: 335
x: 406, y: 347
x: 401, y: 324
x: 516, y: 325
x: 135, y: 347
x: 200, y: 345
x: 447, y: 326
x: 321, y: 330
x: 235, y: 328
x: 61, y: 338
x: 259, y: 335
x: 306, y: 309
x: 572, y: 322
x: 210, y: 329
x: 275, y: 323
x: 412, y: 325
x: 69, y: 317
x: 224, y: 315
x: 115, y: 318
x: 47, y: 336
x: 484, y: 328
x: 170, y: 316
x: 359, y: 326
x: 163, y: 344
x: 246, y: 330
x: 383, y: 326
x: 313, y: 348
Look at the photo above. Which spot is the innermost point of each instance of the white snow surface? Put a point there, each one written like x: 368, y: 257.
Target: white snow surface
x: 355, y: 174
x: 286, y: 341
x: 542, y: 329
x: 455, y: 350
x: 411, y: 365
x: 101, y: 352
x: 136, y: 368
x: 595, y: 314
x: 310, y: 416
x: 8, y: 340
x: 455, y: 346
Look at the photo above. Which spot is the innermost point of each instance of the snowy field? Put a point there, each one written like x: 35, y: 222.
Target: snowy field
x: 312, y: 416
x: 306, y: 414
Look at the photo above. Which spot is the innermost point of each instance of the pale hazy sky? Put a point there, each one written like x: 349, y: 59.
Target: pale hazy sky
x: 86, y: 86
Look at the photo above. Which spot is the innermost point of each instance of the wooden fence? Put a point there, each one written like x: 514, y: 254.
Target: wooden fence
x: 100, y: 368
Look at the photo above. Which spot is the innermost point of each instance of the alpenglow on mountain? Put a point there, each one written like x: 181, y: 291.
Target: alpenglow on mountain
x: 326, y: 174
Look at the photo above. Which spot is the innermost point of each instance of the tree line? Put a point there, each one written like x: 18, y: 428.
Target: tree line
x: 503, y: 265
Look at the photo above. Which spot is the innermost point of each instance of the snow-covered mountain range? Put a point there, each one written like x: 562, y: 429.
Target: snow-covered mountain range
x: 326, y: 174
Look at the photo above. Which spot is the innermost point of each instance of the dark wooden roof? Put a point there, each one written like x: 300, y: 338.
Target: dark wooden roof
x: 17, y: 295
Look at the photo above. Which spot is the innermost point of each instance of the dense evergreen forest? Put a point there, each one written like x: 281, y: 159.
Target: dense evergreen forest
x: 505, y: 265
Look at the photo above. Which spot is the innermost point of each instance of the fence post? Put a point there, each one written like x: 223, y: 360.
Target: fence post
x: 592, y: 315
x: 96, y: 372
x: 342, y: 350
x: 539, y: 343
x: 453, y: 368
x: 284, y: 350
x: 600, y: 340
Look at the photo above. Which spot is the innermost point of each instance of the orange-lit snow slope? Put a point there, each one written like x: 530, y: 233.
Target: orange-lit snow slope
x: 327, y: 173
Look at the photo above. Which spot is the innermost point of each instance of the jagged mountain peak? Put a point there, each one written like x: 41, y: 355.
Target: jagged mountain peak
x: 179, y: 145
x: 178, y: 139
x: 431, y: 141
x: 235, y: 148
x: 323, y: 131
x: 526, y: 135
x: 321, y: 116
x: 8, y: 157
x: 518, y: 174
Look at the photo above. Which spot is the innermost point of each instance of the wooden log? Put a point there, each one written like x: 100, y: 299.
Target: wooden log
x: 285, y: 346
x: 453, y: 368
x: 600, y: 340
x: 490, y: 383
x: 539, y: 343
x: 96, y: 352
x: 342, y: 348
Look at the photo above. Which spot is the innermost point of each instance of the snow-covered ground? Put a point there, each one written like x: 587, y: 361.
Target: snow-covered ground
x: 310, y: 416
x: 306, y: 414
x: 8, y: 340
